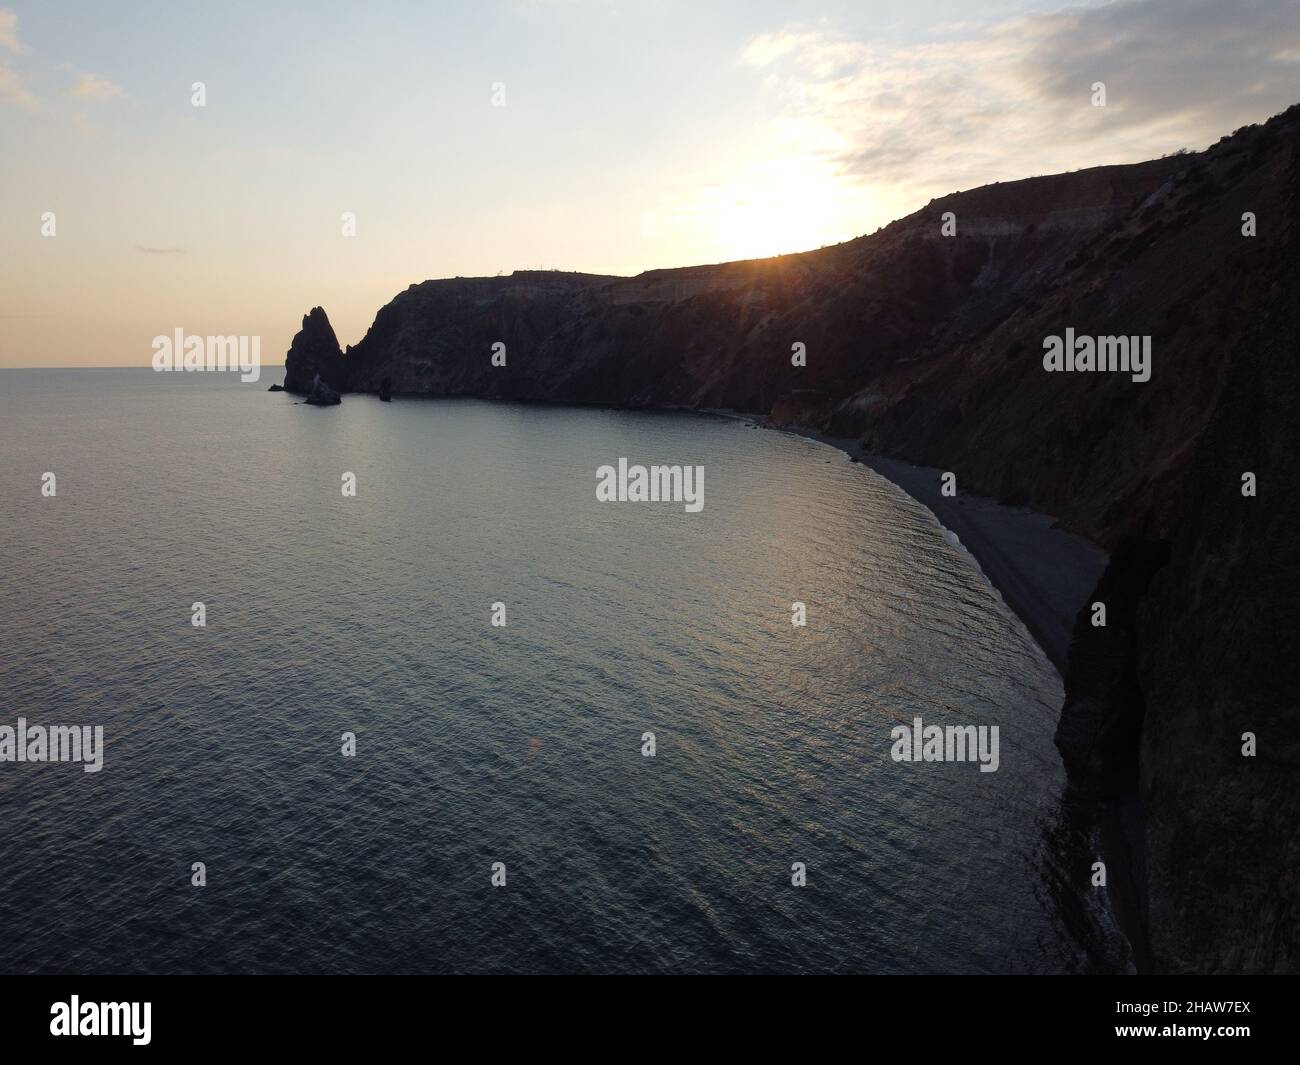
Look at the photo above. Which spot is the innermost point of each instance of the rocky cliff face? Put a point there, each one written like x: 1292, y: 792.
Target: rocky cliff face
x: 722, y: 336
x: 930, y: 347
x: 1219, y: 632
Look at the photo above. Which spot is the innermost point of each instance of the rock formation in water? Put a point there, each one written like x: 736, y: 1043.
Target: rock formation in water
x: 321, y: 394
x: 930, y: 348
x: 314, y: 354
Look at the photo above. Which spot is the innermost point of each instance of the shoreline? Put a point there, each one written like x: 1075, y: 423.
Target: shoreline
x: 1043, y: 573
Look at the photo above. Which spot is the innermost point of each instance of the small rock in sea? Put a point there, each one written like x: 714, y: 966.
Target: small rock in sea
x: 321, y: 394
x: 386, y: 390
x: 276, y: 388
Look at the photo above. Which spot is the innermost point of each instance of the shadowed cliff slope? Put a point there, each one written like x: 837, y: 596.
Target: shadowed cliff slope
x: 930, y: 347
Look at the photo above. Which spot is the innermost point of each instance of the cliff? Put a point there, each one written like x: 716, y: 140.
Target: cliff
x: 929, y: 347
x: 721, y: 336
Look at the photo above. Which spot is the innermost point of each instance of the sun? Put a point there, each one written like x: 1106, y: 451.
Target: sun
x: 778, y: 206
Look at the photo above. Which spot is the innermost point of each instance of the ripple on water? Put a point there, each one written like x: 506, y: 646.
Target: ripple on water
x: 477, y: 744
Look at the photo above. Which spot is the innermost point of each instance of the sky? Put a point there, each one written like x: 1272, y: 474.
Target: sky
x: 478, y: 138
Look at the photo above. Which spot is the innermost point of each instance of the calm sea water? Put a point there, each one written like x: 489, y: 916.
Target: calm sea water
x: 476, y: 744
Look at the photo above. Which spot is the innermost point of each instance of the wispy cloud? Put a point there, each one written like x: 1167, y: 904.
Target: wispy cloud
x: 145, y: 250
x: 1014, y: 98
x: 9, y: 31
x: 11, y: 83
x: 90, y: 87
x: 12, y: 91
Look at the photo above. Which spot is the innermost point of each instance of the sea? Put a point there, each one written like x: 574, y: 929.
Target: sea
x: 471, y: 718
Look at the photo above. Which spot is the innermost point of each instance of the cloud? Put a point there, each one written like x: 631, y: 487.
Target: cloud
x: 12, y: 91
x: 9, y: 31
x: 89, y: 87
x: 11, y: 86
x: 143, y: 249
x: 1014, y: 98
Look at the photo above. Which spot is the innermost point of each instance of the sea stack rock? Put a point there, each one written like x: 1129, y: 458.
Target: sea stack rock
x: 314, y: 355
x: 386, y: 390
x: 321, y: 394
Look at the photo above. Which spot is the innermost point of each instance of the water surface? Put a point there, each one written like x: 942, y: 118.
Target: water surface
x: 477, y: 744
